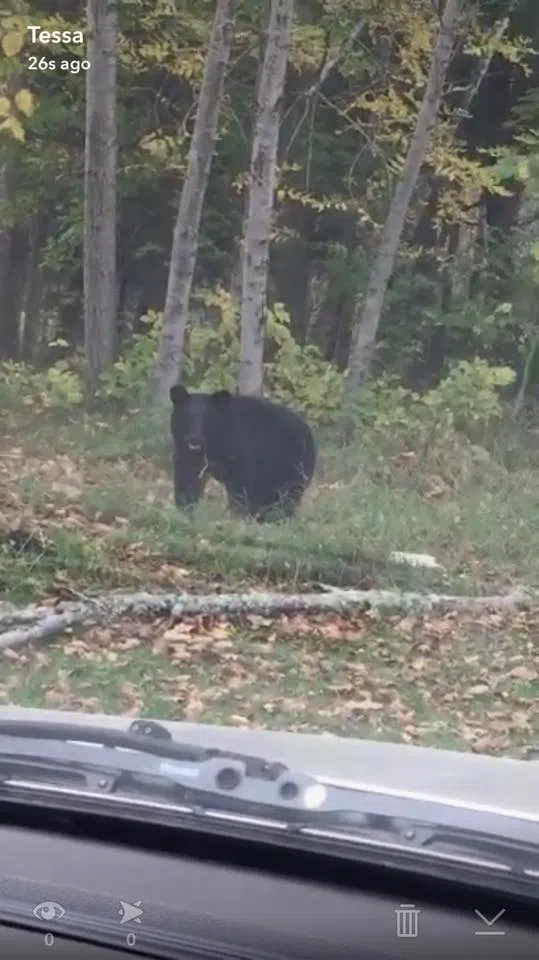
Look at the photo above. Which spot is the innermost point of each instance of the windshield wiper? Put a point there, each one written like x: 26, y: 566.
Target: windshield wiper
x: 146, y: 769
x: 145, y: 762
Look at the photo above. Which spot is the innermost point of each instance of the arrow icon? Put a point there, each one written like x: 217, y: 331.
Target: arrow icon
x: 489, y: 923
x: 130, y: 911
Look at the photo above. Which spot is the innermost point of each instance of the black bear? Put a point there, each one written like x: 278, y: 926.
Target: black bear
x: 264, y: 454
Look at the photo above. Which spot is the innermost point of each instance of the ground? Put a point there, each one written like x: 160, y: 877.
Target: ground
x: 101, y: 499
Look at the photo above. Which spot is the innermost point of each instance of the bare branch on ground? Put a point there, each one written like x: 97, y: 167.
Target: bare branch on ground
x: 35, y: 624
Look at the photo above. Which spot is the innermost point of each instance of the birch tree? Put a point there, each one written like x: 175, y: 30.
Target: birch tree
x: 15, y: 101
x: 186, y: 231
x: 368, y: 313
x: 100, y: 192
x: 261, y: 191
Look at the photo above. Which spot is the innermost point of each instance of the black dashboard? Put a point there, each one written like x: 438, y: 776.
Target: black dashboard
x: 118, y: 900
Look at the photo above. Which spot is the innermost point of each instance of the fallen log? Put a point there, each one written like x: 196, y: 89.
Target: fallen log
x: 38, y: 624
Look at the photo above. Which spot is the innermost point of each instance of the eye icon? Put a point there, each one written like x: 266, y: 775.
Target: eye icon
x: 48, y: 910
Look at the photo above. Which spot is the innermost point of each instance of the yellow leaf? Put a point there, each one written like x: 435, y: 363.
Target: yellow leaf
x: 12, y: 42
x: 5, y: 107
x: 25, y: 102
x: 523, y: 171
x: 479, y: 688
x: 13, y: 126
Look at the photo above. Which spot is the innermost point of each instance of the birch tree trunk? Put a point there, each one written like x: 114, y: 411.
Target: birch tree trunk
x: 367, y: 317
x: 531, y: 355
x: 100, y: 192
x: 32, y: 298
x: 186, y: 231
x: 262, y: 182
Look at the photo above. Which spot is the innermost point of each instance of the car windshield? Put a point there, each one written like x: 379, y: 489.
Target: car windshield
x: 269, y: 371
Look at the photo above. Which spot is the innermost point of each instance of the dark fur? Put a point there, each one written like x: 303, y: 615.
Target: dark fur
x: 264, y: 454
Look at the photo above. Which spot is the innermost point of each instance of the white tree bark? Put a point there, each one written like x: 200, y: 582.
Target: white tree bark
x: 262, y: 182
x: 186, y: 231
x: 367, y: 316
x: 100, y: 192
x: 5, y: 249
x: 35, y: 624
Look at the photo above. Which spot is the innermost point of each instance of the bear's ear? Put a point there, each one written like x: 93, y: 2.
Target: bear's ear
x: 221, y: 397
x: 178, y: 393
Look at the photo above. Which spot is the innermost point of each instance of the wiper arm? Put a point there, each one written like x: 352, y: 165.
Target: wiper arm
x: 149, y: 760
x: 145, y: 735
x: 146, y: 766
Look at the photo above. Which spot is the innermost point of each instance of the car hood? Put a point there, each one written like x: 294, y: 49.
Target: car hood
x: 507, y: 785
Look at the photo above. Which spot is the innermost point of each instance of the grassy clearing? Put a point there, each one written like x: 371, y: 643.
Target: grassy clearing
x: 449, y: 682
x: 100, y: 494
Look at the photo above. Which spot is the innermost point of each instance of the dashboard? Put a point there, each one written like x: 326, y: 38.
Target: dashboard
x: 107, y: 901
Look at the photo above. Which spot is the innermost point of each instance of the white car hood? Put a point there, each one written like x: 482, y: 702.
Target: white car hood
x: 466, y: 779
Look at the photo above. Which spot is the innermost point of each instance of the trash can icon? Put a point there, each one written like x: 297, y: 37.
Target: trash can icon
x: 407, y: 922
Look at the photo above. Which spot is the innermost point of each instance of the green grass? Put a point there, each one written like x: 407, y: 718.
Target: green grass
x: 471, y: 688
x: 100, y: 495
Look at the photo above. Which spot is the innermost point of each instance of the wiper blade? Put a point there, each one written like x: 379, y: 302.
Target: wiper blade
x: 145, y: 735
x: 148, y: 760
x: 147, y: 767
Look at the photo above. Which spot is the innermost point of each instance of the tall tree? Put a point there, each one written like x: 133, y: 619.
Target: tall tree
x: 368, y: 313
x: 15, y: 101
x: 9, y: 319
x: 186, y: 231
x: 100, y: 297
x: 262, y: 182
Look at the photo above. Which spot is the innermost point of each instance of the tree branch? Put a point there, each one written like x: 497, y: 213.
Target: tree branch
x: 46, y: 623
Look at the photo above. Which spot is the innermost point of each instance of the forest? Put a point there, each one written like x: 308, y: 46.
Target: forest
x: 331, y: 203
